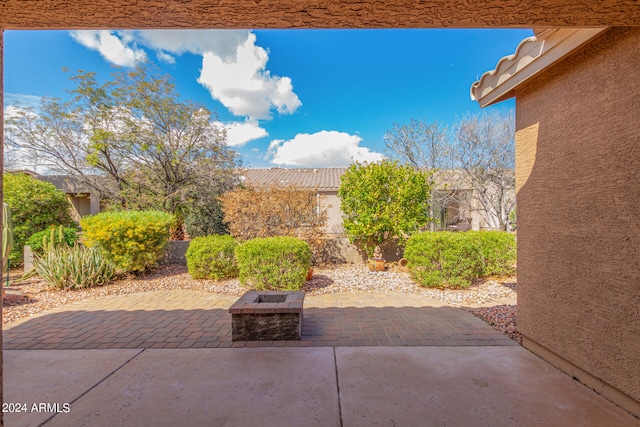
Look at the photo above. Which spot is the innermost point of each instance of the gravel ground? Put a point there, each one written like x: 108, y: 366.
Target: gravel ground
x: 501, y: 317
x: 329, y: 279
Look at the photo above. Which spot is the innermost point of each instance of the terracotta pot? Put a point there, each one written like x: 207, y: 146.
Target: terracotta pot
x: 310, y: 273
x: 376, y: 264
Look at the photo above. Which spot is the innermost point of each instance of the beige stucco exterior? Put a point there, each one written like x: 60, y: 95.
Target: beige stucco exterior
x: 578, y: 195
x: 98, y: 14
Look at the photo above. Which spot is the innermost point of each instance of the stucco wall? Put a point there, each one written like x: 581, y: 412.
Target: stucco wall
x: 80, y: 14
x: 578, y: 183
x: 331, y: 202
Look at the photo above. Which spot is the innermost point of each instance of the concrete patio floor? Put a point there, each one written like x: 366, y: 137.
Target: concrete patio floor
x: 324, y: 386
x: 388, y: 359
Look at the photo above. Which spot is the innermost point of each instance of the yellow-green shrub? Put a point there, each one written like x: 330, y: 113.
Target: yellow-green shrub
x: 440, y: 259
x: 212, y: 257
x: 132, y: 240
x: 274, y: 263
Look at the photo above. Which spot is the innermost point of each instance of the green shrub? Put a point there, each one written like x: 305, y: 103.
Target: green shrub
x: 274, y: 263
x: 36, y: 239
x: 441, y: 259
x: 35, y: 205
x: 497, y: 253
x: 74, y: 267
x: 131, y: 240
x: 212, y: 257
x: 205, y: 220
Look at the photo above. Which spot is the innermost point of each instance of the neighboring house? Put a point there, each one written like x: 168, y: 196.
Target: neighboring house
x: 325, y: 180
x: 577, y: 95
x: 83, y: 200
x: 462, y: 210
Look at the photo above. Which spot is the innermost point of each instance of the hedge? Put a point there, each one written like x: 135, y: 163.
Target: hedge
x: 212, y: 257
x: 446, y: 259
x: 35, y: 241
x: 35, y: 206
x: 131, y: 240
x: 274, y: 263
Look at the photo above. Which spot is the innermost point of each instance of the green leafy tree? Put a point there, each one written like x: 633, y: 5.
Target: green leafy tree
x: 35, y: 205
x: 384, y: 200
x: 133, y: 140
x: 428, y: 146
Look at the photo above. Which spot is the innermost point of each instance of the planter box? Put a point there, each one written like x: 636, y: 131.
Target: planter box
x: 267, y: 316
x: 27, y: 259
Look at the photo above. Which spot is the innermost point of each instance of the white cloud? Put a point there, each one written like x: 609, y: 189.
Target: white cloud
x: 223, y: 43
x: 233, y: 66
x: 321, y: 149
x: 116, y: 48
x: 239, y: 133
x: 245, y: 86
x: 21, y: 100
x: 12, y: 111
x: 165, y: 57
x: 17, y: 156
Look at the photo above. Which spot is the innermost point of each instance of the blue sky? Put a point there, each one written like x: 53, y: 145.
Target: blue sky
x: 289, y: 98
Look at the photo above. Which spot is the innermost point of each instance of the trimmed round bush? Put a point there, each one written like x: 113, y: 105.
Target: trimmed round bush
x: 212, y: 257
x: 274, y: 263
x: 445, y: 259
x: 131, y: 240
x: 35, y: 205
x: 35, y: 241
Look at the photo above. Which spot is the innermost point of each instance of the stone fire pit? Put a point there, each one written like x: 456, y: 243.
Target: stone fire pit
x: 267, y: 316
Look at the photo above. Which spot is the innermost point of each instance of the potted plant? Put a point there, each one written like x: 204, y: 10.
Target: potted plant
x: 376, y: 263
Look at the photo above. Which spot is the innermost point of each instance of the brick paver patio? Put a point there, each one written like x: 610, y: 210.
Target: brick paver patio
x: 191, y: 319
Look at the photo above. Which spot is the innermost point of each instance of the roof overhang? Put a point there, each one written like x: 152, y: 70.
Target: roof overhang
x: 532, y: 55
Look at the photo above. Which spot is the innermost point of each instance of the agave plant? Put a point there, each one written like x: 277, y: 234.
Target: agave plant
x: 73, y: 267
x: 55, y: 240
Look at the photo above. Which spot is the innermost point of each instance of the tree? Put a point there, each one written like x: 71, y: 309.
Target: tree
x: 131, y: 139
x: 486, y: 154
x: 427, y: 146
x: 480, y: 159
x: 276, y: 210
x: 35, y: 205
x: 384, y: 200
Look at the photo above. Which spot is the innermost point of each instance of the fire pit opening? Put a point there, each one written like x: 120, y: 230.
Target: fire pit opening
x: 270, y: 298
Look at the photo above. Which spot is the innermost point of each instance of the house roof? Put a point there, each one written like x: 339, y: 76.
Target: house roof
x: 24, y: 171
x: 324, y: 179
x: 328, y: 179
x: 532, y: 55
x: 66, y: 183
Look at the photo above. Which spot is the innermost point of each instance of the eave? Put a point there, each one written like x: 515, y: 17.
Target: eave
x: 532, y: 55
